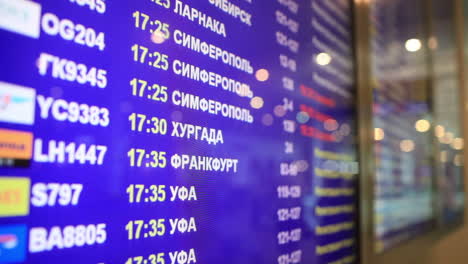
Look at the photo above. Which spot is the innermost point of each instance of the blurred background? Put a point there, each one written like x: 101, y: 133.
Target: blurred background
x: 411, y: 59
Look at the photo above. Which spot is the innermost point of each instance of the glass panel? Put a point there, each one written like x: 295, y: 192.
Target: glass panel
x: 402, y: 121
x: 446, y: 100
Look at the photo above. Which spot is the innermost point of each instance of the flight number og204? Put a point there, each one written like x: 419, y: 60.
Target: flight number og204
x: 70, y: 31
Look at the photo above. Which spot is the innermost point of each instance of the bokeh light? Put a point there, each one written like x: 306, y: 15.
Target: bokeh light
x: 443, y: 156
x: 379, y: 134
x: 279, y: 111
x: 331, y: 125
x: 407, y: 145
x: 257, y: 102
x: 439, y: 131
x: 262, y: 75
x: 267, y: 119
x: 422, y: 125
x: 413, y: 45
x: 158, y: 37
x: 458, y: 143
x: 302, y: 117
x: 323, y: 59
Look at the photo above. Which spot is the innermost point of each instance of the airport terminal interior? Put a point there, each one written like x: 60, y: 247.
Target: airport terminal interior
x: 233, y: 131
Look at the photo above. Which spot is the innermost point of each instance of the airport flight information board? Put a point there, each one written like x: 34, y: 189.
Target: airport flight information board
x: 177, y: 132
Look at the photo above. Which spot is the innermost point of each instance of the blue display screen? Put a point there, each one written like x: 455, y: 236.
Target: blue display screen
x: 177, y: 132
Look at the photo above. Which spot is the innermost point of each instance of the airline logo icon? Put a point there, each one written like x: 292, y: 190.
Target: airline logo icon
x: 20, y: 16
x: 15, y: 144
x: 14, y: 196
x: 17, y: 103
x: 12, y: 243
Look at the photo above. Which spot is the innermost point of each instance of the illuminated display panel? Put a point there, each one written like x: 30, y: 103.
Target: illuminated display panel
x: 171, y: 131
x: 403, y: 122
